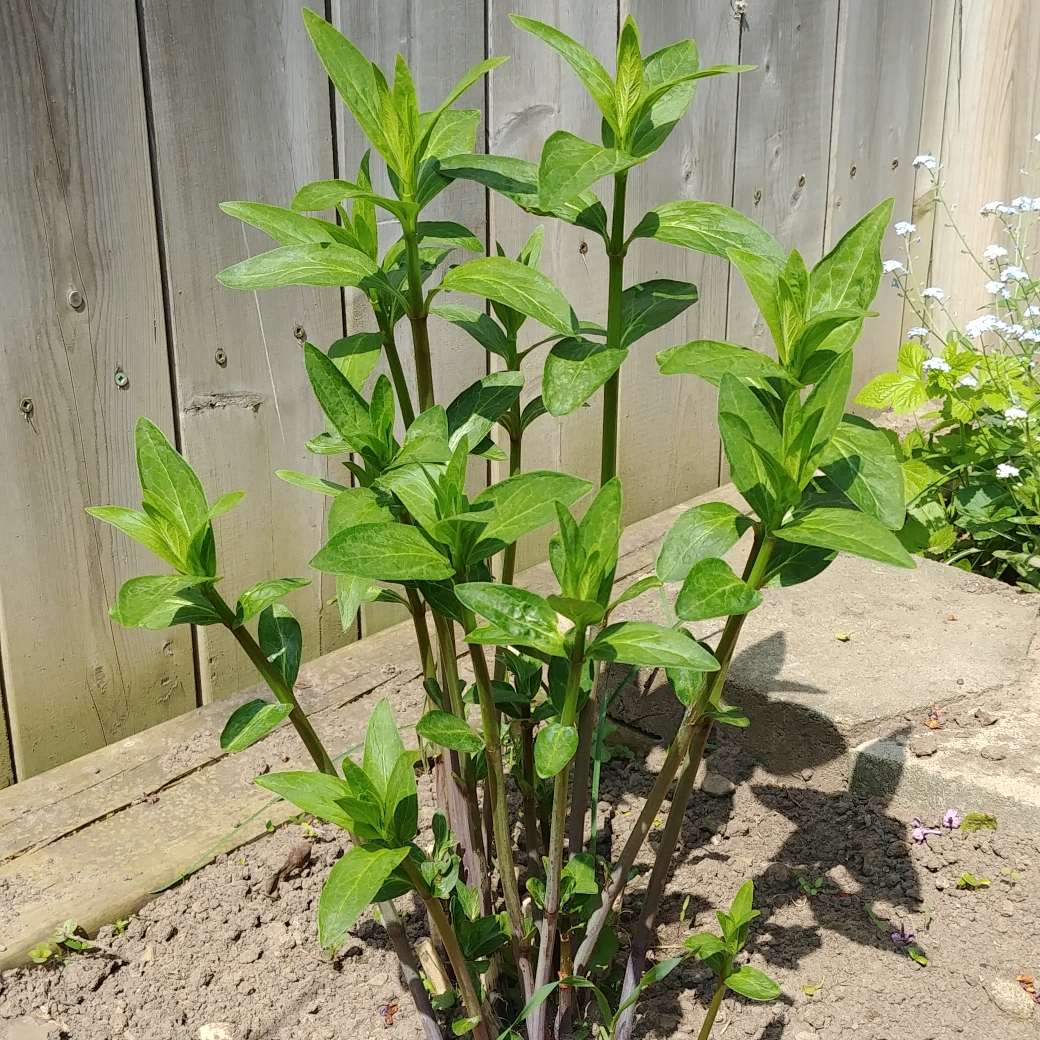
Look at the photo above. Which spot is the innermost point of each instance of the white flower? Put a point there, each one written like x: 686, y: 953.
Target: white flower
x: 993, y: 252
x: 1006, y: 209
x: 933, y: 292
x: 891, y: 265
x: 903, y: 227
x: 1005, y: 470
x: 977, y: 326
x: 1032, y: 312
x: 1023, y: 202
x: 997, y: 289
x: 934, y: 364
x: 929, y: 162
x: 1037, y: 138
x: 1020, y: 274
x: 991, y: 207
x: 918, y: 332
x: 1015, y: 331
x: 1015, y: 413
x: 968, y: 380
x: 1036, y: 203
x: 1032, y: 336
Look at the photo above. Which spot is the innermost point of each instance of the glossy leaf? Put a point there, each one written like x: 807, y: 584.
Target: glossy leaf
x: 388, y: 552
x: 351, y: 591
x: 846, y: 530
x: 356, y: 356
x: 703, y: 531
x: 792, y: 564
x: 644, y: 643
x: 358, y: 505
x: 319, y: 794
x: 250, y: 723
x: 168, y: 483
x: 341, y: 403
x: 516, y: 616
x: 712, y: 359
x: 570, y: 166
x: 849, y: 275
x: 751, y: 983
x: 482, y: 327
x: 140, y: 598
x: 225, y: 503
x: 862, y: 462
x: 574, y: 370
x: 287, y: 227
x: 554, y: 747
x: 281, y: 640
x: 351, y: 885
x: 476, y: 410
x: 448, y: 730
x: 142, y: 529
x: 448, y: 233
x: 321, y: 265
x: 649, y: 305
x: 263, y: 594
x: 712, y: 590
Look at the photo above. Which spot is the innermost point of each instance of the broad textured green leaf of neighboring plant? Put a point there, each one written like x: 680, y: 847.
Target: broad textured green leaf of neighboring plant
x: 351, y: 885
x: 649, y: 305
x: 383, y: 747
x: 792, y: 564
x: 554, y: 747
x: 516, y: 616
x: 357, y: 356
x: 644, y: 643
x: 142, y: 529
x: 168, y: 483
x: 250, y: 723
x: 849, y: 275
x: 515, y: 285
x: 847, y: 531
x: 861, y: 460
x: 263, y: 594
x: 448, y: 730
x: 482, y: 327
x: 751, y: 983
x: 570, y: 165
x: 358, y: 505
x: 707, y: 530
x: 319, y: 794
x: 712, y: 359
x: 712, y: 590
x: 476, y: 410
x: 388, y: 552
x: 574, y: 370
x: 139, y: 598
x: 281, y: 640
x: 896, y: 390
x: 322, y: 265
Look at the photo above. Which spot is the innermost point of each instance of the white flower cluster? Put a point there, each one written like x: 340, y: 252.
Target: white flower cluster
x: 1005, y: 470
x: 929, y: 162
x: 917, y: 332
x: 994, y: 252
x: 933, y: 292
x: 995, y: 288
x: 1014, y: 413
x: 1019, y: 274
x: 977, y: 326
x: 934, y: 364
x: 891, y: 265
x: 903, y: 227
x: 968, y: 380
x: 1024, y: 203
x: 997, y: 207
x: 1032, y: 312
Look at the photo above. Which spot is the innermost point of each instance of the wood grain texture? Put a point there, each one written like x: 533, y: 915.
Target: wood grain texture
x: 77, y: 212
x: 532, y: 95
x: 6, y: 762
x: 878, y: 92
x: 241, y: 111
x: 441, y: 40
x: 669, y: 442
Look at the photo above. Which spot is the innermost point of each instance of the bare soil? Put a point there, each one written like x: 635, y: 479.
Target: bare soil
x: 219, y: 959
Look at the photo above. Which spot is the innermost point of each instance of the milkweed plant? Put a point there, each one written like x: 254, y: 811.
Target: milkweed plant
x: 970, y: 459
x: 529, y: 931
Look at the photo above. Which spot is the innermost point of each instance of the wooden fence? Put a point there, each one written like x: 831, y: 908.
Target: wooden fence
x: 125, y: 124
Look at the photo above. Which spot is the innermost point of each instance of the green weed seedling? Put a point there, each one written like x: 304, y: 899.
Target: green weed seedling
x: 810, y: 888
x: 970, y: 881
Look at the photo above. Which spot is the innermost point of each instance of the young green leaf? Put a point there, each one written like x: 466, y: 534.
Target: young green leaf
x: 250, y: 723
x: 636, y: 589
x: 554, y: 747
x: 310, y: 483
x: 142, y: 529
x: 476, y: 410
x: 707, y: 530
x: 448, y: 730
x: 862, y: 462
x: 516, y: 616
x: 711, y: 359
x: 140, y: 598
x: 896, y: 390
x: 168, y: 483
x: 849, y: 275
x: 712, y: 590
x: 846, y: 530
x: 356, y: 356
x: 351, y: 591
x: 352, y: 884
x: 263, y: 594
x: 792, y: 564
x: 319, y: 794
x: 570, y: 166
x: 649, y: 305
x: 644, y: 643
x: 729, y: 717
x: 281, y: 640
x: 448, y: 233
x: 287, y: 227
x: 387, y: 552
x: 358, y: 505
x: 574, y: 370
x: 460, y: 88
x: 751, y: 983
x: 482, y: 327
x: 383, y: 747
x: 321, y: 265
x: 628, y: 87
x: 426, y: 440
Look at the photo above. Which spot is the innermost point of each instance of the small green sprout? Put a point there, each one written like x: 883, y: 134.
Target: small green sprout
x: 976, y: 821
x: 810, y: 888
x: 41, y: 953
x: 121, y: 925
x: 967, y: 880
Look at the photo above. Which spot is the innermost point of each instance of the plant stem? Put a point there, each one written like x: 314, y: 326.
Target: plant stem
x: 500, y: 813
x: 713, y: 1010
x: 615, y: 286
x: 417, y: 317
x: 583, y: 765
x: 509, y: 555
x: 404, y: 397
x: 532, y: 836
x: 422, y: 633
x: 410, y: 970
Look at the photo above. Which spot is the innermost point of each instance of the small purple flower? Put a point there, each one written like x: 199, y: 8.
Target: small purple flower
x: 951, y: 819
x: 921, y: 832
x: 902, y: 937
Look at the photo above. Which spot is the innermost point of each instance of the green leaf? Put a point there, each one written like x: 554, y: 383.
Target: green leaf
x: 596, y: 79
x: 358, y: 505
x: 401, y: 817
x: 476, y: 410
x: 554, y: 747
x: 281, y: 640
x: 250, y: 723
x: 323, y: 265
x: 226, y: 503
x: 448, y: 233
x: 517, y: 616
x: 142, y: 529
x: 861, y: 461
x: 644, y: 643
x: 462, y: 1026
x: 570, y: 166
x: 388, y: 552
x: 341, y: 403
x: 534, y: 409
x: 707, y: 530
x: 821, y: 414
x: 849, y: 275
x: 351, y: 591
x: 636, y: 589
x: 711, y: 359
x: 426, y: 440
x: 848, y: 531
x: 515, y: 285
x: 356, y: 356
x: 628, y: 87
x: 286, y: 227
x: 704, y: 945
x: 319, y: 794
x: 712, y: 590
x: 582, y: 612
x: 574, y: 370
x: 655, y: 974
x: 896, y: 390
x: 383, y: 747
x: 460, y: 88
x: 729, y: 717
x: 448, y: 730
x: 752, y: 983
x: 764, y: 276
x: 651, y: 304
x: 140, y: 598
x: 741, y: 910
x: 351, y: 885
x: 264, y: 593
x: 168, y: 483
x: 482, y: 327
x: 792, y: 564
x: 187, y: 607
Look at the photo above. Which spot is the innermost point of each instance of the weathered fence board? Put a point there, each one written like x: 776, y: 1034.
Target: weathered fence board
x: 77, y: 213
x: 241, y: 111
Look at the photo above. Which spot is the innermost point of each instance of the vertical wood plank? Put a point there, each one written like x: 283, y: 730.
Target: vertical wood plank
x: 77, y: 212
x: 878, y: 93
x: 669, y: 441
x: 241, y: 111
x: 441, y: 40
x: 532, y: 95
x: 6, y: 764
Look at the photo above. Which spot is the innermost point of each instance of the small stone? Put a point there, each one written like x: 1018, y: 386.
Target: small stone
x: 985, y: 717
x: 924, y: 744
x: 806, y: 774
x: 148, y: 956
x: 717, y: 785
x: 994, y: 753
x: 216, y: 1031
x: 1011, y: 998
x: 1007, y: 908
x: 941, y: 883
x: 805, y: 1034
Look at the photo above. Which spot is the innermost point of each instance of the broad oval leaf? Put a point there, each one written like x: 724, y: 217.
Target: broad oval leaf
x: 281, y: 640
x: 712, y: 590
x: 357, y: 505
x: 707, y: 530
x: 644, y: 643
x: 554, y: 747
x: 448, y: 233
x: 351, y: 885
x: 574, y: 370
x: 322, y: 265
x: 168, y: 483
x: 517, y: 616
x: 515, y: 285
x: 791, y: 564
x: 345, y: 408
x: 649, y: 305
x: 896, y: 390
x: 351, y: 591
x: 140, y: 598
x: 570, y: 165
x: 711, y: 359
x: 861, y: 460
x: 319, y: 794
x: 263, y: 594
x: 751, y: 983
x: 448, y: 730
x: 383, y: 748
x: 356, y: 356
x: 476, y: 410
x: 849, y: 275
x: 251, y: 723
x: 846, y: 530
x: 388, y: 552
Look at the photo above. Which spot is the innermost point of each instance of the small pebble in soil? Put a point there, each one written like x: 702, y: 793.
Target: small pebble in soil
x: 924, y: 744
x: 1009, y: 996
x: 994, y: 753
x: 717, y: 785
x: 985, y: 717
